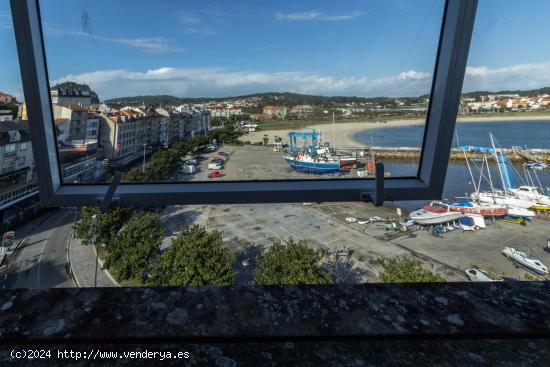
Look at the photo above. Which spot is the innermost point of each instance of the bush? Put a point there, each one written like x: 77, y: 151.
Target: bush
x: 291, y: 263
x: 403, y: 269
x: 196, y: 257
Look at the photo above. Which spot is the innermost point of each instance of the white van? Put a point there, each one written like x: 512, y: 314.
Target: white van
x: 214, y: 166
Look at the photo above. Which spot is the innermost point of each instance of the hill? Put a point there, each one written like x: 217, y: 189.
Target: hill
x: 284, y: 98
x: 293, y: 99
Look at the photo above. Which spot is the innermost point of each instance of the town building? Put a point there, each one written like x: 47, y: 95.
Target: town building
x: 7, y: 99
x: 70, y: 93
x: 18, y: 185
x: 75, y: 123
x: 6, y: 115
x: 275, y: 111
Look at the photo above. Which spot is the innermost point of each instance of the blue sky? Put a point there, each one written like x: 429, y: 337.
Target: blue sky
x: 222, y: 48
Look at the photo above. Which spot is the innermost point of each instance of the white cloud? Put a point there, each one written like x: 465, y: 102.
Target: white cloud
x: 193, y: 24
x: 145, y: 44
x: 315, y: 15
x: 5, y: 21
x: 513, y: 77
x: 214, y: 82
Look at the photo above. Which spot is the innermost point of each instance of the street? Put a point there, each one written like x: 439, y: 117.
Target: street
x: 41, y: 260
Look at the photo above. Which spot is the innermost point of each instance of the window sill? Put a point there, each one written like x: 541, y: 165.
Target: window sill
x: 335, y: 321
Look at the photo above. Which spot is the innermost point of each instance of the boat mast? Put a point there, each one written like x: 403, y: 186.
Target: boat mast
x: 498, y: 163
x: 471, y: 173
x: 334, y: 132
x: 490, y: 179
x: 480, y: 176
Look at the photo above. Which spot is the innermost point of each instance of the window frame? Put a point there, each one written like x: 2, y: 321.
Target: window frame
x: 451, y: 58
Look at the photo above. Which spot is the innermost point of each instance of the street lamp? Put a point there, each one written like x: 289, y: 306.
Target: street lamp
x: 94, y: 240
x: 144, y: 146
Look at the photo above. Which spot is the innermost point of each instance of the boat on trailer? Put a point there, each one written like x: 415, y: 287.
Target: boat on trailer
x: 528, y: 262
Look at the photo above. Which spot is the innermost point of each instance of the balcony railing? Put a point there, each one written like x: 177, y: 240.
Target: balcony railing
x: 16, y: 194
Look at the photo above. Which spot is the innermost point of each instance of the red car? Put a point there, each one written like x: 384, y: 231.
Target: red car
x: 215, y: 174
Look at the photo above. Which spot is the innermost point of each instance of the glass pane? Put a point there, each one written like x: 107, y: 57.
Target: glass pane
x: 207, y: 91
x: 18, y: 186
x: 504, y: 117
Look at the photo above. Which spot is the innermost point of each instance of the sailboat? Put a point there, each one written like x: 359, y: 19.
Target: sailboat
x: 489, y: 209
x: 517, y: 207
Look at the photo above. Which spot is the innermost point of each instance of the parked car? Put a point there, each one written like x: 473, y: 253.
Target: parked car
x: 211, y: 148
x: 215, y: 166
x: 188, y: 169
x: 351, y: 219
x: 192, y: 161
x: 215, y: 174
x: 223, y: 154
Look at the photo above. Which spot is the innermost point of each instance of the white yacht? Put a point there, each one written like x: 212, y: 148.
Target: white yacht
x: 528, y: 262
x: 530, y: 193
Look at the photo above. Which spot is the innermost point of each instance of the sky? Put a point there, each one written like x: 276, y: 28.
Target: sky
x: 213, y: 48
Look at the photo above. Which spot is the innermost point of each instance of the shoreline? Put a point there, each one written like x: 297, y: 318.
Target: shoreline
x: 346, y: 130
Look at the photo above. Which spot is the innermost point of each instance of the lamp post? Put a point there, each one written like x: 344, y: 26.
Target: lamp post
x: 94, y: 240
x: 144, y: 146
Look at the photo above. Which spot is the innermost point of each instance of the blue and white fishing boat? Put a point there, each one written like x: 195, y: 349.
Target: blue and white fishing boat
x: 306, y: 157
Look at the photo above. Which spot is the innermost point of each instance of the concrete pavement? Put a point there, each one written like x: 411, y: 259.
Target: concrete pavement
x: 83, y: 265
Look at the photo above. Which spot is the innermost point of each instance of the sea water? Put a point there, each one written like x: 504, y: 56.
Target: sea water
x: 458, y: 182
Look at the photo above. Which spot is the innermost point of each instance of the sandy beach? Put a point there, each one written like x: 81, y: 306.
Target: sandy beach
x: 346, y: 130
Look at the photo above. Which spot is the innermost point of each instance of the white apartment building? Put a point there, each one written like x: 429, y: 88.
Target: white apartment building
x: 17, y: 172
x: 70, y: 93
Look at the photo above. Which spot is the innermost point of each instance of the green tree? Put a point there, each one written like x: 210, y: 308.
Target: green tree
x: 291, y: 263
x: 265, y: 139
x: 130, y: 254
x: 196, y: 257
x: 404, y: 269
x: 278, y: 139
x: 105, y: 226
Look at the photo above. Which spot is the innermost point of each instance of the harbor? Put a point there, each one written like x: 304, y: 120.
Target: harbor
x: 354, y: 236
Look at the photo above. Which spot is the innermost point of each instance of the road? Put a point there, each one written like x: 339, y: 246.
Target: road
x: 41, y: 260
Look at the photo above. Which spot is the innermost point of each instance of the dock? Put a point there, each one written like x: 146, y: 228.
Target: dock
x: 516, y: 154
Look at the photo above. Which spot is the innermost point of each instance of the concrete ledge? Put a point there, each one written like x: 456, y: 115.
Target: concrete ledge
x: 370, y: 312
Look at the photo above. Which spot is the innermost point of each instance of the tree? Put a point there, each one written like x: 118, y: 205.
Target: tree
x: 404, y: 269
x: 278, y: 139
x: 196, y: 257
x: 104, y: 227
x: 129, y: 256
x: 265, y: 139
x: 291, y: 263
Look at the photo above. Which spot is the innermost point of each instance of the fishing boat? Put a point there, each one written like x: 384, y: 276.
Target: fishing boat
x: 528, y: 262
x: 308, y: 156
x: 434, y: 213
x: 307, y: 163
x: 485, y: 209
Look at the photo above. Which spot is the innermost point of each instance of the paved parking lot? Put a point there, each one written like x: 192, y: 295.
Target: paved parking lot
x: 249, y: 228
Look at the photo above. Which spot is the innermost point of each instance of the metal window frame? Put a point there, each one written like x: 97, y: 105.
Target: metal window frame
x: 452, y: 54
